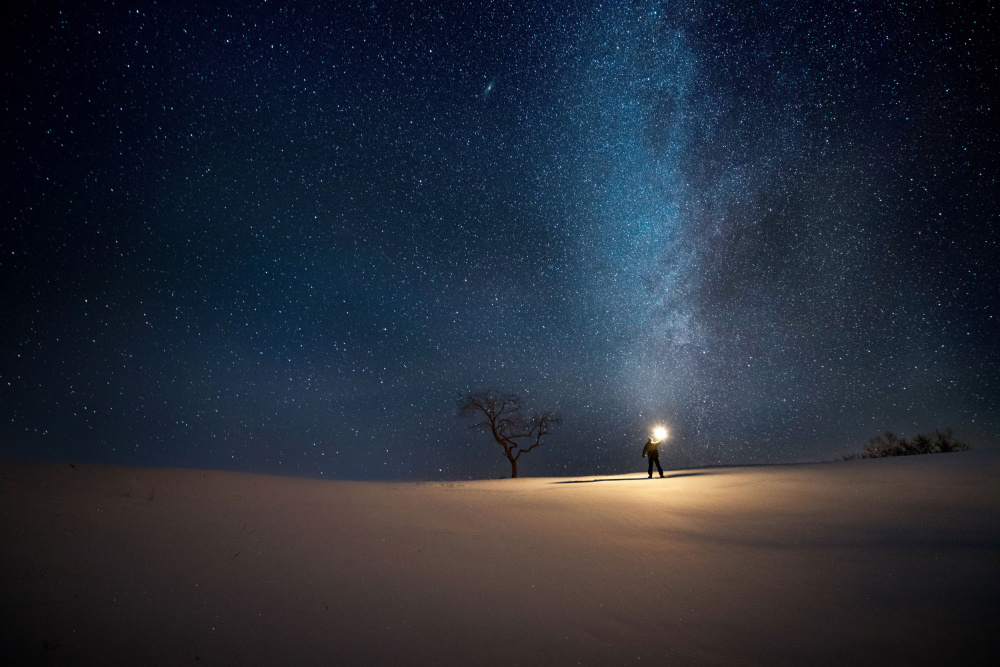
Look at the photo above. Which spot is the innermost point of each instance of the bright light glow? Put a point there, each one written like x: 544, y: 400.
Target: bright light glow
x: 659, y: 433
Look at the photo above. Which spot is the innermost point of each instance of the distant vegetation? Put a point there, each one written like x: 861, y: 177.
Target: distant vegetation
x: 889, y: 444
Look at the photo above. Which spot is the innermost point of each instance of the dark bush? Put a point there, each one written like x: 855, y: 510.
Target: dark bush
x: 889, y: 444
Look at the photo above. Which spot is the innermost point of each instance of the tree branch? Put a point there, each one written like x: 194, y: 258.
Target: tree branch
x: 526, y: 450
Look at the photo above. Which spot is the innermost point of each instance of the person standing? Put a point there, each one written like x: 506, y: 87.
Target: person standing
x: 652, y: 450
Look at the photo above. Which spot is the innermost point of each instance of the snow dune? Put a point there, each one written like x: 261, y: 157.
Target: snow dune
x: 893, y: 561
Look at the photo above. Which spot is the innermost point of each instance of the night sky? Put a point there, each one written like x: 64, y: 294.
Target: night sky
x: 279, y: 238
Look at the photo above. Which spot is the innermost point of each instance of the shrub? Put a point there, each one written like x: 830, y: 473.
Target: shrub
x: 889, y: 444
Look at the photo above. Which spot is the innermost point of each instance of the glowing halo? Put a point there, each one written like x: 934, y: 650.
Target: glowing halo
x: 659, y: 433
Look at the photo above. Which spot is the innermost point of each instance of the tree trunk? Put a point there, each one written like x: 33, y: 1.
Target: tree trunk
x: 513, y: 468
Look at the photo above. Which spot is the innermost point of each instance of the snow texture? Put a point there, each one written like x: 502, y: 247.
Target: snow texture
x: 861, y: 562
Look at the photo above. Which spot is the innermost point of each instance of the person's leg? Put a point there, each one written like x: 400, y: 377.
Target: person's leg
x: 657, y: 467
x: 651, y: 466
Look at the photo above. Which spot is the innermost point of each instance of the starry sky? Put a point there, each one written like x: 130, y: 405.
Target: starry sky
x: 282, y: 238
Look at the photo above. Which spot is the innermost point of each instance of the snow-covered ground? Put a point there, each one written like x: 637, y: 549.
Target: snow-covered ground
x: 893, y: 561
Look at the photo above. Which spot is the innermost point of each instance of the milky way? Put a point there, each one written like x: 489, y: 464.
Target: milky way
x: 288, y: 239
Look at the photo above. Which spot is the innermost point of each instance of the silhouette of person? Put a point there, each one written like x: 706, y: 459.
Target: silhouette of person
x: 652, y: 449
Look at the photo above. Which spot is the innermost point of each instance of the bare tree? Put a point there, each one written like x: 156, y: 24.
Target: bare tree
x: 500, y: 413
